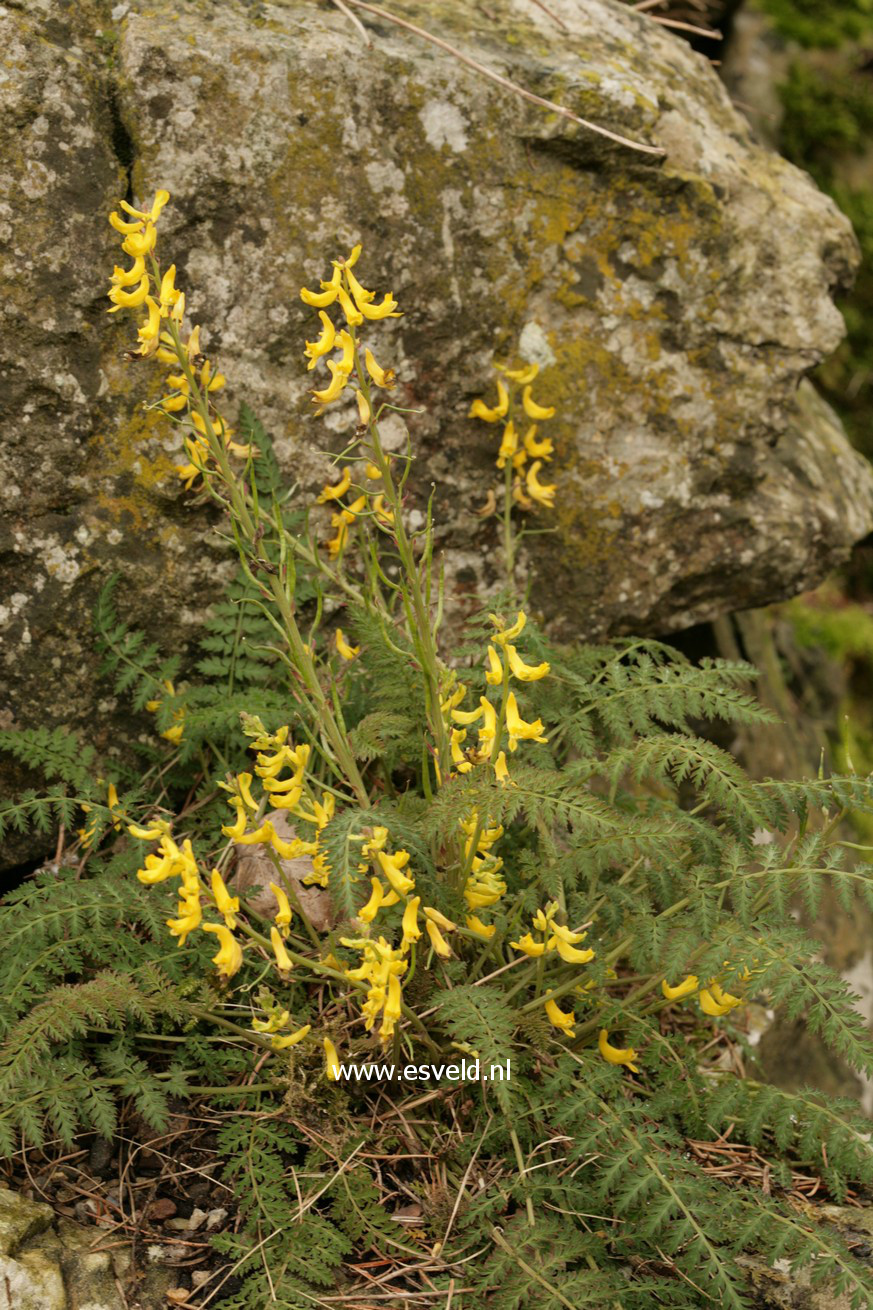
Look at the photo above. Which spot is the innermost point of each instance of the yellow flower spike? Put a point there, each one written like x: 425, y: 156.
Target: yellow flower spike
x: 475, y: 924
x: 508, y: 445
x: 129, y: 299
x: 537, y: 449
x: 616, y: 1055
x: 225, y: 903
x: 128, y: 277
x: 230, y: 957
x: 532, y: 409
x: 364, y: 411
x: 291, y: 1039
x: 387, y: 309
x: 331, y: 392
x: 528, y: 946
x: 392, y: 866
x: 503, y: 635
x: 438, y: 941
x: 440, y: 919
x: 561, y: 1019
x: 409, y: 923
x: 368, y: 912
x: 517, y: 728
x: 284, y: 915
x: 157, y: 828
x: 494, y: 676
x: 525, y: 672
x: 344, y: 650
x: 360, y: 294
x: 331, y: 1061
x: 283, y: 959
x: 338, y: 489
x: 325, y: 343
x: 501, y: 772
x: 125, y: 228
x: 140, y: 243
x: 383, y: 377
x: 688, y: 985
x: 522, y: 375
x: 319, y: 299
x: 541, y: 493
x: 354, y: 318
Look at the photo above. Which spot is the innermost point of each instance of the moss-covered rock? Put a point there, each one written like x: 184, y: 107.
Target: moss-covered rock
x: 674, y: 303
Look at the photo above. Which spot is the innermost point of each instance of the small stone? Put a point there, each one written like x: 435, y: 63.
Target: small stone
x: 162, y: 1208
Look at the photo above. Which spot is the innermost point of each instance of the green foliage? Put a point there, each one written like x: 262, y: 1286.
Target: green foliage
x: 813, y: 25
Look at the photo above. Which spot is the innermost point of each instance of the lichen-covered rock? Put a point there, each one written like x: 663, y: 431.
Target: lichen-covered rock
x: 674, y: 303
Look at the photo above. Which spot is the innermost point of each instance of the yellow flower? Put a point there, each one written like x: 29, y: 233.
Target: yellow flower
x: 127, y: 277
x: 475, y: 924
x: 383, y: 377
x: 479, y: 409
x: 532, y: 409
x: 717, y: 1003
x: 508, y: 446
x: 277, y: 1020
x: 140, y: 243
x: 392, y: 866
x: 230, y: 956
x: 335, y: 388
x: 346, y: 651
x: 537, y: 449
x: 354, y: 317
x: 614, y: 1054
x: 368, y: 912
x: 488, y: 730
x: 157, y: 828
x: 525, y: 672
x: 562, y: 1019
x: 384, y: 515
x: 409, y: 923
x: 501, y: 772
x: 517, y: 728
x: 570, y: 954
x: 459, y: 759
x: 372, y: 472
x: 338, y: 489
x: 129, y: 299
x: 120, y: 226
x: 189, y: 919
x: 316, y: 349
x: 393, y: 1008
x: 168, y: 294
x: 364, y: 411
x: 361, y: 295
x: 494, y: 676
x: 438, y: 941
x: 503, y: 635
x: 225, y: 903
x: 522, y: 375
x: 283, y: 959
x: 541, y: 493
x: 331, y: 1060
x: 319, y: 299
x: 529, y: 946
x: 387, y: 309
x: 688, y: 985
x: 153, y: 214
x: 290, y: 1039
x: 284, y: 914
x: 437, y: 917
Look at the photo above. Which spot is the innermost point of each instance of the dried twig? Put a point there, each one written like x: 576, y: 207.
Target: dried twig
x: 505, y: 81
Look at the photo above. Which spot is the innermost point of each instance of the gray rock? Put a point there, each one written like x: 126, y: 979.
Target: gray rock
x: 675, y: 305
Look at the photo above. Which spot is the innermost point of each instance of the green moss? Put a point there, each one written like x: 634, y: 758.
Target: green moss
x: 828, y: 25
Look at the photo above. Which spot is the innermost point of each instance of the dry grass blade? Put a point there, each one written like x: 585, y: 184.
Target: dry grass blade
x: 506, y: 82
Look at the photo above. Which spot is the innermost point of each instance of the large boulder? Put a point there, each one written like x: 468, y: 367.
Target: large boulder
x: 674, y: 302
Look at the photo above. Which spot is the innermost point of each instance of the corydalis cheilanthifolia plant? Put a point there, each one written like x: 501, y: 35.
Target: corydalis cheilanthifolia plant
x: 497, y: 834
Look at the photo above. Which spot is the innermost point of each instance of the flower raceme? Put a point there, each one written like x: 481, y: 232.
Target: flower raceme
x: 519, y: 442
